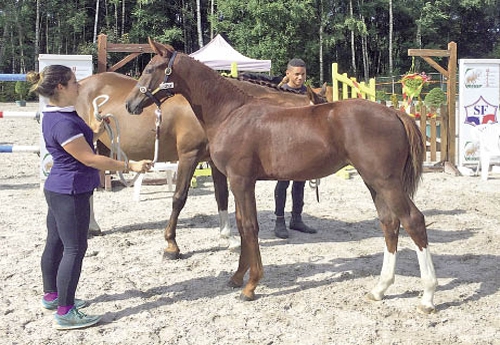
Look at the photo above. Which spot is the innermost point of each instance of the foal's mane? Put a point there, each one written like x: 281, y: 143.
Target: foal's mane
x: 262, y: 80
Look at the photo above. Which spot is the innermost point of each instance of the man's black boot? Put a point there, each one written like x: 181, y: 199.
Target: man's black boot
x: 296, y: 223
x: 280, y: 229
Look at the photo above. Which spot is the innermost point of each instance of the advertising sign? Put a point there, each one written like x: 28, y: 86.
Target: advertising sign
x: 479, y: 99
x: 82, y: 67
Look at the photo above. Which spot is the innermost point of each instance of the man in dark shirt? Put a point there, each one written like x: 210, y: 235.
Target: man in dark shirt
x: 296, y: 75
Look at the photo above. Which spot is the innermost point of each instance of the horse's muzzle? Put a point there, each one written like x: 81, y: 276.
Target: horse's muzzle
x: 133, y: 109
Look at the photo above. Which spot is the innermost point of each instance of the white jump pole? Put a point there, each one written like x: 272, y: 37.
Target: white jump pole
x: 19, y: 148
x: 5, y: 114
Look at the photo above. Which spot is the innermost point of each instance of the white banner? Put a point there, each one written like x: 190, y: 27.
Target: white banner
x: 82, y: 67
x: 479, y: 99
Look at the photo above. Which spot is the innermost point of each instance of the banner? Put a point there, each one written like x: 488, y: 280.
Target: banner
x: 82, y: 67
x: 479, y: 99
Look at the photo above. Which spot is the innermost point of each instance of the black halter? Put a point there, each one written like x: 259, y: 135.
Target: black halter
x: 165, y: 85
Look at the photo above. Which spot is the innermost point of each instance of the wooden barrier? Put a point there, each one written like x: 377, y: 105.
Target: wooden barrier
x: 432, y: 127
x: 350, y: 87
x: 103, y: 48
x: 450, y: 73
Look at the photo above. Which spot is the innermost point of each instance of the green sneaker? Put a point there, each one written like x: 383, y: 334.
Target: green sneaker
x: 74, y: 319
x: 52, y: 305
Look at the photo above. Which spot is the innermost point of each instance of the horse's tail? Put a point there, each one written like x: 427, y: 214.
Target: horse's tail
x: 414, y: 165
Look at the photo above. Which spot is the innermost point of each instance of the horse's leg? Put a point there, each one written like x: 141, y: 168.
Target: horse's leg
x: 390, y: 227
x: 429, y: 280
x: 222, y: 197
x: 246, y: 219
x: 236, y: 280
x: 413, y: 222
x: 185, y: 170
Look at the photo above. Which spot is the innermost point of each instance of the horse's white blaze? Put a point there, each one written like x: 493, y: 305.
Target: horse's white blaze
x: 428, y: 276
x: 386, y: 275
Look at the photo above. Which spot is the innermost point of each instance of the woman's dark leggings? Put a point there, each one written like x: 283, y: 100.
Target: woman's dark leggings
x: 68, y: 221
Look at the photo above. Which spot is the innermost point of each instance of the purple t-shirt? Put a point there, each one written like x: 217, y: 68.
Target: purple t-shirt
x: 67, y: 175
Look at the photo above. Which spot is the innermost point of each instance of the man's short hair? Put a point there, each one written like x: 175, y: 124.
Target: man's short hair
x: 295, y: 62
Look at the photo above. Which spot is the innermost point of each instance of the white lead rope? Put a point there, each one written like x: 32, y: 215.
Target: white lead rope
x: 115, y: 139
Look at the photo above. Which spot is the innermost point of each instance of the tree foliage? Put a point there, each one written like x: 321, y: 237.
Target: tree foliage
x: 352, y: 33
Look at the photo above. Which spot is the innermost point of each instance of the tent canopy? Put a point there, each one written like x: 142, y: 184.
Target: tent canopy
x: 219, y: 55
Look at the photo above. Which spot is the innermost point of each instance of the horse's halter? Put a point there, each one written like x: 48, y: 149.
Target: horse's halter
x: 165, y: 85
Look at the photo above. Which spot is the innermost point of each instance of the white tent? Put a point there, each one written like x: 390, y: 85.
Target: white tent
x: 219, y: 55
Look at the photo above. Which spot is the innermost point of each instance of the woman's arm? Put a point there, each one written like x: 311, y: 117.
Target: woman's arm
x: 80, y: 149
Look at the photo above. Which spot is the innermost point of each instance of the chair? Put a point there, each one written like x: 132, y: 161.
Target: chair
x: 170, y: 168
x: 489, y: 147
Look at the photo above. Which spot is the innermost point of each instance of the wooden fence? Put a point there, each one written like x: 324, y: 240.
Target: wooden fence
x: 432, y: 127
x: 350, y: 87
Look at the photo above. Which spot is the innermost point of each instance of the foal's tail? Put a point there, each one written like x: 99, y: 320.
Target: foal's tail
x: 415, y: 162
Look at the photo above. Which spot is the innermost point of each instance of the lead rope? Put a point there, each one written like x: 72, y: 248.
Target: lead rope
x: 157, y: 133
x: 115, y: 139
x: 315, y: 184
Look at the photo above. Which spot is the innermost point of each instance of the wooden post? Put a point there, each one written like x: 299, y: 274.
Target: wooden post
x: 451, y: 93
x: 447, y: 131
x: 103, y: 48
x: 102, y: 52
x: 335, y: 85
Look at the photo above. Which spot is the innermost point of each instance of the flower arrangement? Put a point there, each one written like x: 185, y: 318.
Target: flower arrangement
x: 413, y: 84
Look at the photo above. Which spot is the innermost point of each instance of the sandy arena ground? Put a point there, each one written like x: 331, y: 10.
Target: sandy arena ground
x: 314, y: 285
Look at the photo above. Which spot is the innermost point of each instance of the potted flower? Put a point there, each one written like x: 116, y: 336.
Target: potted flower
x: 22, y: 89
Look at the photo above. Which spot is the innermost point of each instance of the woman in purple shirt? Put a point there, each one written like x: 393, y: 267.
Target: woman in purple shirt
x: 68, y: 188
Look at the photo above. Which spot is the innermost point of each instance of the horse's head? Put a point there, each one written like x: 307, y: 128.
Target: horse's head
x: 153, y: 85
x: 316, y: 98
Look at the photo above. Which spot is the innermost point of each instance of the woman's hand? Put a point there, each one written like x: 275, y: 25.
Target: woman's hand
x: 140, y: 166
x: 98, y: 127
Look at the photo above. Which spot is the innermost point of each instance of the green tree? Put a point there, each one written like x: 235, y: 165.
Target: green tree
x: 276, y: 30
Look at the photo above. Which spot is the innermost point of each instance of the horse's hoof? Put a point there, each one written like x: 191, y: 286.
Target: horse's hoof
x: 171, y: 255
x: 246, y: 298
x: 423, y: 309
x: 230, y: 243
x: 371, y: 297
x: 233, y: 284
x: 234, y: 245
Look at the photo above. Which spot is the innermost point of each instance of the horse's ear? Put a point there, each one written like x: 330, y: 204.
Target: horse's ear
x: 323, y: 89
x: 283, y: 81
x: 160, y: 49
x: 314, y: 98
x: 155, y: 46
x: 311, y: 94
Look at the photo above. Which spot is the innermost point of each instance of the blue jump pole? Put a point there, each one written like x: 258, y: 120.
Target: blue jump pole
x: 19, y: 148
x: 12, y: 77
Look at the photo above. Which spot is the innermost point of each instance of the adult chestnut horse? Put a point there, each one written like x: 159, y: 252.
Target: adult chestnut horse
x: 182, y: 139
x: 252, y: 140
